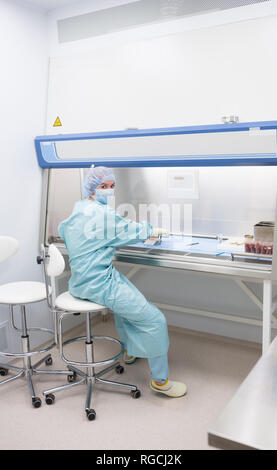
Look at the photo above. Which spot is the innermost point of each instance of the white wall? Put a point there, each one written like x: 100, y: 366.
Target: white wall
x: 23, y: 86
x: 23, y: 78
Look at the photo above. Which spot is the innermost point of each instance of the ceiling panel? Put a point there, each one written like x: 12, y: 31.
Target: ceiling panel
x: 169, y: 4
x: 51, y: 4
x: 139, y: 13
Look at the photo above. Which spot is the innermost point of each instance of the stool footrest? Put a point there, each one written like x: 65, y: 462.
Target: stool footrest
x: 30, y: 353
x: 27, y: 354
x: 98, y: 363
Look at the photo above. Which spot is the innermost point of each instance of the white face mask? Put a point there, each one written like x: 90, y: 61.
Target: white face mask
x: 103, y: 195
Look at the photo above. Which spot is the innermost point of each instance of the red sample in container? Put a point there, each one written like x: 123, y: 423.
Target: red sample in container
x: 258, y: 247
x: 264, y: 248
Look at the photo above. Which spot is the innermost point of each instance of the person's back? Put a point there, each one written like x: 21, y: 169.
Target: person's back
x: 89, y: 256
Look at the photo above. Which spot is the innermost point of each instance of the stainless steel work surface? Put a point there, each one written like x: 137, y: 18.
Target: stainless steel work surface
x: 197, y: 253
x: 250, y: 419
x: 200, y: 245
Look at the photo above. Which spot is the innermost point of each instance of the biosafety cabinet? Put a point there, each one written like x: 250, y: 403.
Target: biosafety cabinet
x: 209, y: 185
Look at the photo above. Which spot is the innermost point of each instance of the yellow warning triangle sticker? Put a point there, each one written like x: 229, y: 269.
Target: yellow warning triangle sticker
x: 57, y: 123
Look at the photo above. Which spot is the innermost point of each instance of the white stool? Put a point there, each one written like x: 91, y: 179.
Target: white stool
x: 66, y: 304
x: 23, y: 293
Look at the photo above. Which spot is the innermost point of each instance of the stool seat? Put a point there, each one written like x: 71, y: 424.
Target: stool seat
x: 67, y: 302
x: 23, y: 292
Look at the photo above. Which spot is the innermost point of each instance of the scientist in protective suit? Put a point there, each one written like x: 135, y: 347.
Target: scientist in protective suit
x: 91, y: 234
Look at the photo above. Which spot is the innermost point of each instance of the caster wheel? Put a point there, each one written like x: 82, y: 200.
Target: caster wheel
x: 36, y: 402
x: 49, y: 361
x: 3, y: 371
x: 119, y: 369
x: 91, y: 415
x: 49, y: 399
x: 72, y: 378
x: 135, y: 393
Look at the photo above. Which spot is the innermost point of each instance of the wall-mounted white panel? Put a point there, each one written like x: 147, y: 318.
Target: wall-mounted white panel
x: 182, y: 184
x: 185, y: 79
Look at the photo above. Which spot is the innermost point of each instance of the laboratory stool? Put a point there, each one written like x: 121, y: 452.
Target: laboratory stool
x: 21, y: 294
x: 66, y: 304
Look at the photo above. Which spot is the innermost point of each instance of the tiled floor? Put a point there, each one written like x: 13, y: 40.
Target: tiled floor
x: 213, y: 370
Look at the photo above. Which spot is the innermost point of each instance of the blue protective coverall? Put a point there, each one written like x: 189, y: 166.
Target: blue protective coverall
x: 91, y: 234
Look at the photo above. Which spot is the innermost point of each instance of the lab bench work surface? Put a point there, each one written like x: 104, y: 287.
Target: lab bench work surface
x: 200, y: 253
x: 193, y: 244
x: 249, y: 421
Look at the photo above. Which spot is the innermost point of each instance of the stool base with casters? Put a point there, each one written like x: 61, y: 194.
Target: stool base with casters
x: 29, y: 369
x: 89, y: 377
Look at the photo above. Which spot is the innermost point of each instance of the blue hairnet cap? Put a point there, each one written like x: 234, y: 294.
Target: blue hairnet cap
x: 96, y: 176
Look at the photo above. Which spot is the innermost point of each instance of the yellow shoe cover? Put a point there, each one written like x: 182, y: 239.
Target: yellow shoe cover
x: 177, y: 389
x: 128, y: 359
